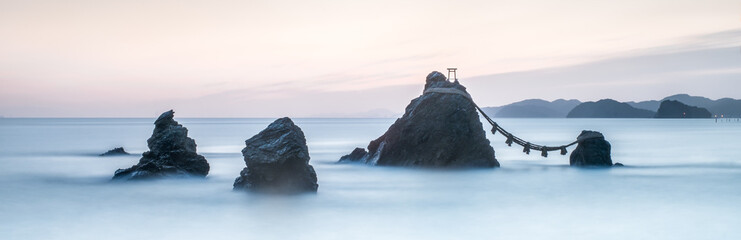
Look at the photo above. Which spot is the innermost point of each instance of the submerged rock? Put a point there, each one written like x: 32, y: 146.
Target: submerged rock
x: 592, y: 150
x: 277, y: 161
x: 441, y: 128
x: 115, y: 152
x: 171, y: 153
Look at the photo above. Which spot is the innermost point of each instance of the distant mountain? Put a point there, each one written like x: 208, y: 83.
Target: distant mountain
x: 691, y: 100
x: 491, y: 111
x: 652, y: 105
x: 677, y: 109
x: 723, y: 106
x: 727, y: 107
x: 608, y: 108
x: 538, y: 108
x: 533, y: 108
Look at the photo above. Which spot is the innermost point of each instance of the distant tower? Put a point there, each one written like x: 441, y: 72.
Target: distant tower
x: 455, y: 76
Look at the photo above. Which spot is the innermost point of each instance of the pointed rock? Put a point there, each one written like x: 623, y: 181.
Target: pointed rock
x: 277, y: 161
x: 171, y: 153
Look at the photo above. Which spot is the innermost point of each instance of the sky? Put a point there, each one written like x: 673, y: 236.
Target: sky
x: 344, y: 58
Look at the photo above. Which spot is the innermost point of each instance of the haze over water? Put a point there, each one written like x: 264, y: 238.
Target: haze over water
x: 679, y: 183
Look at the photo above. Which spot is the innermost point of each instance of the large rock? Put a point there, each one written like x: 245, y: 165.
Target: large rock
x: 592, y: 150
x: 441, y: 128
x: 676, y: 109
x: 171, y: 153
x: 277, y: 161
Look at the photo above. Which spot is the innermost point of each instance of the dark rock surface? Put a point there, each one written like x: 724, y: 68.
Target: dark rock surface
x: 437, y: 130
x: 277, y: 161
x: 592, y: 150
x: 115, y: 152
x: 358, y: 153
x: 608, y: 108
x: 676, y: 109
x: 171, y: 153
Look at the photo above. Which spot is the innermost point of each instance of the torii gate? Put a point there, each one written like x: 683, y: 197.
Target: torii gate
x: 455, y: 76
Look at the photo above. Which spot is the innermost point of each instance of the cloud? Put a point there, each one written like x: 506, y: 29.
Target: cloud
x: 712, y: 72
x: 727, y: 38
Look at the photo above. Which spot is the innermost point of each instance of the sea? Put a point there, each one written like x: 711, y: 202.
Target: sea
x: 681, y: 180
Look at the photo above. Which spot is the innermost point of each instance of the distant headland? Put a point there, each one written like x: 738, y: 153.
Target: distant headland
x: 675, y: 106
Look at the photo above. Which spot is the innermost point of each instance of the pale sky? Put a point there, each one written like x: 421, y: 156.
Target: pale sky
x: 339, y: 58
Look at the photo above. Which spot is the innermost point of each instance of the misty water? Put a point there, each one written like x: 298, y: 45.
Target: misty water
x: 681, y: 181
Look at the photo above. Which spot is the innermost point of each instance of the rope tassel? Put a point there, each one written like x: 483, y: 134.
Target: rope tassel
x: 510, y: 138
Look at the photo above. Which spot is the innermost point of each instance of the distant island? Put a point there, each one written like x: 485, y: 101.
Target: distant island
x: 608, y: 108
x: 691, y: 107
x: 723, y: 106
x: 676, y: 109
x: 534, y: 108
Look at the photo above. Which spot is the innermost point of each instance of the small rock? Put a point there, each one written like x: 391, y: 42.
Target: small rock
x: 618, y: 165
x: 592, y: 150
x: 277, y: 161
x: 114, y: 152
x: 355, y: 155
x: 171, y: 153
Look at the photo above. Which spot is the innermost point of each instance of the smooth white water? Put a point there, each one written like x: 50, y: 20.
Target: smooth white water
x: 681, y: 183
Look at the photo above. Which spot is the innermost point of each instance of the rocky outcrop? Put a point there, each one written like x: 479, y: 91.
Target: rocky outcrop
x: 608, y: 108
x: 171, y: 153
x: 277, y: 161
x: 592, y: 150
x: 441, y: 128
x: 357, y: 153
x: 676, y: 109
x: 115, y: 152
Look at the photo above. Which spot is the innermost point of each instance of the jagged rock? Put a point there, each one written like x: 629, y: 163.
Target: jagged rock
x: 277, y: 161
x: 441, y: 128
x: 676, y: 109
x: 592, y: 150
x: 171, y: 153
x: 358, y: 153
x: 115, y: 152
